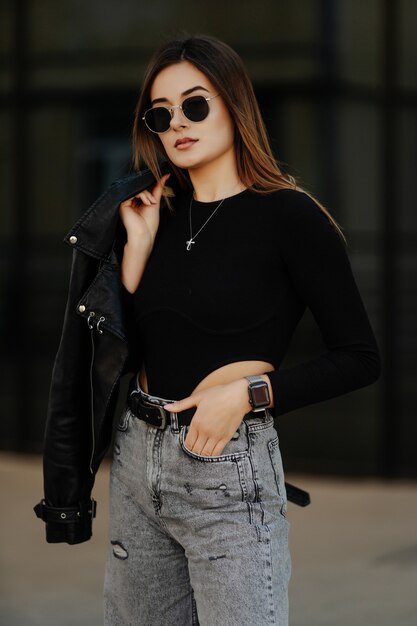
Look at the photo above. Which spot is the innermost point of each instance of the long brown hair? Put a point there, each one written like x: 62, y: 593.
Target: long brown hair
x: 256, y: 165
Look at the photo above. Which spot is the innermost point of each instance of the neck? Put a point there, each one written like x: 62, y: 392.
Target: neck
x: 215, y: 181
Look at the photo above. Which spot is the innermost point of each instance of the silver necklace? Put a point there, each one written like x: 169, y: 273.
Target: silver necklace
x: 192, y: 239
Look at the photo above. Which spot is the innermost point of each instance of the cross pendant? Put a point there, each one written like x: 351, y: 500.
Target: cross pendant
x: 189, y: 242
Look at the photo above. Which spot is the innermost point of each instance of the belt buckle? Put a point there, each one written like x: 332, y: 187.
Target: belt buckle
x: 162, y: 413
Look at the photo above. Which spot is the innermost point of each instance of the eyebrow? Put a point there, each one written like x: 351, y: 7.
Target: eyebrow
x: 184, y: 93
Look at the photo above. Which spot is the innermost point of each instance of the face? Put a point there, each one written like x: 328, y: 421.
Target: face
x: 209, y: 141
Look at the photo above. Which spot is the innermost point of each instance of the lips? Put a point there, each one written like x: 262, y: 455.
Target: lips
x: 184, y: 142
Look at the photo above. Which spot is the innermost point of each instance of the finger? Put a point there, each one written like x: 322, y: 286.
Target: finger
x: 209, y: 448
x: 146, y: 197
x: 149, y: 197
x: 181, y: 405
x: 164, y: 179
x: 219, y: 448
x: 159, y: 187
x: 191, y: 438
x: 198, y: 445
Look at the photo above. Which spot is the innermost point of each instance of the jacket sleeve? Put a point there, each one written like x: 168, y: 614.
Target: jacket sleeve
x: 67, y: 507
x: 317, y: 263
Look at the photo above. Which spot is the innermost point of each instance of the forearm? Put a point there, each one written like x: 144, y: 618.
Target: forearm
x: 135, y: 256
x: 331, y: 374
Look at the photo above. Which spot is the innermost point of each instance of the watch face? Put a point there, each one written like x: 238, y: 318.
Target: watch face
x: 260, y: 395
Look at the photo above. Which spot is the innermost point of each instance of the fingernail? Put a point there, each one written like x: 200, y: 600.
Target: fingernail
x: 169, y: 406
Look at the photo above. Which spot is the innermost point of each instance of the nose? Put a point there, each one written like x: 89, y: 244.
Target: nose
x: 178, y: 119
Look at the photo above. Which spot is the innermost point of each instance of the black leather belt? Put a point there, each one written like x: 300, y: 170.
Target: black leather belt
x: 155, y: 414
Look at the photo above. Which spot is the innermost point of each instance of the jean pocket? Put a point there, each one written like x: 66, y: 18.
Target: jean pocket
x: 276, y: 461
x: 236, y: 448
x: 260, y: 423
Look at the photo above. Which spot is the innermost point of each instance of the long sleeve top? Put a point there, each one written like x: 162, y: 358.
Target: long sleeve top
x: 241, y: 289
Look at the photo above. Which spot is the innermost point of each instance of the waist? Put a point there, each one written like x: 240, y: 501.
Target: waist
x: 150, y: 408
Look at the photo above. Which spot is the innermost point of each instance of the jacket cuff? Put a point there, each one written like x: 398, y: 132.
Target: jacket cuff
x: 67, y: 524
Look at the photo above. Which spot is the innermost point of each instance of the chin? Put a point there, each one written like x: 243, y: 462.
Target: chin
x: 185, y: 163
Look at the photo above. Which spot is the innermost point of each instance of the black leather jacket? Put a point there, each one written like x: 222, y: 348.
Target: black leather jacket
x: 93, y: 353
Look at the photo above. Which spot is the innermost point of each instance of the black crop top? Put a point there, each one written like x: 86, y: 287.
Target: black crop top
x: 240, y: 292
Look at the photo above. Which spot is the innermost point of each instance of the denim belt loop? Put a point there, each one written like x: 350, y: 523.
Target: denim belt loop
x: 174, y: 422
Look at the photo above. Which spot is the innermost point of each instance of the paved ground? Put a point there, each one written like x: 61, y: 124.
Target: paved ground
x: 354, y: 555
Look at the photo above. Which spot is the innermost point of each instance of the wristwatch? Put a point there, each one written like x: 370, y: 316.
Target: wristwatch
x: 258, y: 392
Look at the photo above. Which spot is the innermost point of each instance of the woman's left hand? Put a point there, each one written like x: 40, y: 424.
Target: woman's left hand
x: 220, y: 411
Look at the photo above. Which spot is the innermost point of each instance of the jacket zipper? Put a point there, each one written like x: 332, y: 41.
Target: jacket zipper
x: 91, y: 326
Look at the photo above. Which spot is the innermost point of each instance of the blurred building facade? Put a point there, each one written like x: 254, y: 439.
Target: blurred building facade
x: 337, y: 84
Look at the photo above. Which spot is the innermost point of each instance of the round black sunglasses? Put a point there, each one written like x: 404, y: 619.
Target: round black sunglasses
x: 195, y: 108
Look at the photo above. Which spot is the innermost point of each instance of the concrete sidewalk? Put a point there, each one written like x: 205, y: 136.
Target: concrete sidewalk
x: 354, y: 554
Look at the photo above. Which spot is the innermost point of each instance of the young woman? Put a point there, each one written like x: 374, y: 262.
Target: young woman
x: 213, y: 279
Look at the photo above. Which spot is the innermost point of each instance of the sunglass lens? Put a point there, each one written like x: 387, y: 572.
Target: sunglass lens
x: 158, y: 119
x: 195, y: 108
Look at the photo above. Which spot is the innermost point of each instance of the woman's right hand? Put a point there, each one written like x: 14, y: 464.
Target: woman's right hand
x: 140, y: 214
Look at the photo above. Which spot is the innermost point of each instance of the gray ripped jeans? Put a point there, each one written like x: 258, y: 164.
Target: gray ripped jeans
x: 196, y: 540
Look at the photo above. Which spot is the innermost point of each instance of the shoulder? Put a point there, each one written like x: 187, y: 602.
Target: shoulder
x: 286, y: 200
x: 300, y: 224
x: 292, y: 209
x: 296, y: 206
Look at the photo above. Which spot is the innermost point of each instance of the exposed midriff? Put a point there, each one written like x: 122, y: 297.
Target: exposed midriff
x: 221, y: 375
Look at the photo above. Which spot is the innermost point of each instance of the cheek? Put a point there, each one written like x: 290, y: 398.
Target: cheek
x: 165, y: 143
x: 222, y: 130
x: 221, y: 137
x: 230, y: 134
